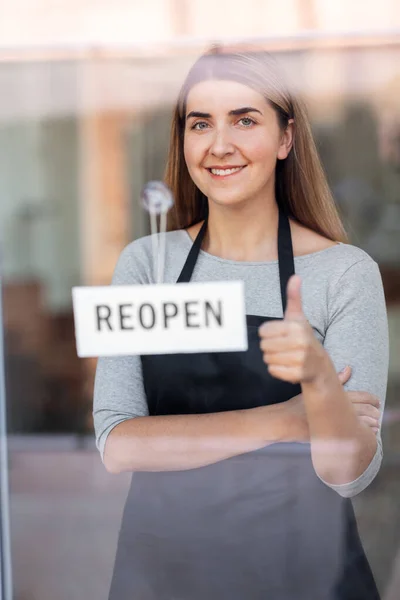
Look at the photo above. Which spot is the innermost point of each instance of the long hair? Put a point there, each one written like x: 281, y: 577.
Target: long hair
x: 301, y: 187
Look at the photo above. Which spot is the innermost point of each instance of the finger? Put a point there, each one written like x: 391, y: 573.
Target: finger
x: 294, y: 307
x: 370, y: 422
x: 373, y: 418
x: 364, y: 398
x: 367, y: 410
x: 344, y: 375
x: 286, y: 359
x: 284, y: 373
x: 272, y: 329
x: 280, y: 344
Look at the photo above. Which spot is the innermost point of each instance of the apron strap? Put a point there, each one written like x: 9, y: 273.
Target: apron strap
x: 190, y: 263
x: 285, y: 255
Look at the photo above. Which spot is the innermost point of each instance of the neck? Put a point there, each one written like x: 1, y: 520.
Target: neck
x: 245, y: 233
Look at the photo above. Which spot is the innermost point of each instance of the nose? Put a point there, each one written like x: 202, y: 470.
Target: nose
x: 222, y: 144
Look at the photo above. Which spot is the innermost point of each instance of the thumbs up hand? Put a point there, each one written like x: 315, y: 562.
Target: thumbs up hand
x: 290, y: 349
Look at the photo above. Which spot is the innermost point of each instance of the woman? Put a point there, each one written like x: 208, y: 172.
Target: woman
x: 244, y: 462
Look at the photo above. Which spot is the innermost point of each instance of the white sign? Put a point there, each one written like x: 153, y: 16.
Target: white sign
x: 160, y: 319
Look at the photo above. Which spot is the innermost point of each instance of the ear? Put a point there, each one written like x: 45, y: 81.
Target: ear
x: 286, y: 142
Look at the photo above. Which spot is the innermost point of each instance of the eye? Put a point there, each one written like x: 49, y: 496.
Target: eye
x: 247, y: 121
x: 199, y: 126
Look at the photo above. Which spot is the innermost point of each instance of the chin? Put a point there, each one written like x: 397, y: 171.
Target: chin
x: 228, y: 202
x: 232, y: 199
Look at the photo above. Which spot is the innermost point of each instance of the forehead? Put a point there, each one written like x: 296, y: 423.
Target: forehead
x: 220, y: 96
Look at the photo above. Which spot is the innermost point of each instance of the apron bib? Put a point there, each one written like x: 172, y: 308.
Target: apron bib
x: 258, y: 526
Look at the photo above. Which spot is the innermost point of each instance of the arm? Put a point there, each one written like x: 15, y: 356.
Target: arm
x: 357, y: 335
x: 188, y: 441
x: 342, y: 445
x: 131, y: 440
x: 178, y: 442
x: 346, y: 453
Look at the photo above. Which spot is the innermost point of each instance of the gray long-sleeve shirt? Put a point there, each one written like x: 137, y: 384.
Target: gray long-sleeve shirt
x: 343, y: 300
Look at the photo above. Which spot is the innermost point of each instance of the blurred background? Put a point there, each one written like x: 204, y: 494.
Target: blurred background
x: 86, y: 91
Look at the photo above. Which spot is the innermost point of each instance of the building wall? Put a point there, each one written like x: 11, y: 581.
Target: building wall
x: 101, y: 23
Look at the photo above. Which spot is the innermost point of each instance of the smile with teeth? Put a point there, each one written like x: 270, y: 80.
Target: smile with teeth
x: 225, y: 172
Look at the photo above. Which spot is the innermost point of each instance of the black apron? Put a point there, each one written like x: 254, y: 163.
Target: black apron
x: 258, y: 526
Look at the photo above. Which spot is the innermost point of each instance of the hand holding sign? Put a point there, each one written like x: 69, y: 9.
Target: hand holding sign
x: 289, y: 347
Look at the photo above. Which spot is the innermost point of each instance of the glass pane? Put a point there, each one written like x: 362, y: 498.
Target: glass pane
x: 79, y: 139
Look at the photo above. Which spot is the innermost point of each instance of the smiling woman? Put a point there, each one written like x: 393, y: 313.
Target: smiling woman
x: 240, y: 101
x: 245, y: 461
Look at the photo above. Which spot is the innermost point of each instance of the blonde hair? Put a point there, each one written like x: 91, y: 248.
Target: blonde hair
x: 301, y: 186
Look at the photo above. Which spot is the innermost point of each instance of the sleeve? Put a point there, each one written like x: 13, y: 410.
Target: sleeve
x: 357, y: 335
x: 118, y: 387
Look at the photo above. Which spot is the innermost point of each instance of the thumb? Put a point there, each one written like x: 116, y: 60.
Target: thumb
x: 344, y: 375
x: 294, y: 307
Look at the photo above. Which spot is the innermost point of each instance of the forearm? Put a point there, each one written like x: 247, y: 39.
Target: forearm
x: 178, y: 442
x: 342, y: 446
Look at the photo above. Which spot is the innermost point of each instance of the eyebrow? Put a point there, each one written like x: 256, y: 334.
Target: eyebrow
x: 237, y: 111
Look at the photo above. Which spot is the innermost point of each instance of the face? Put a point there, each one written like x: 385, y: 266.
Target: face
x: 232, y: 141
